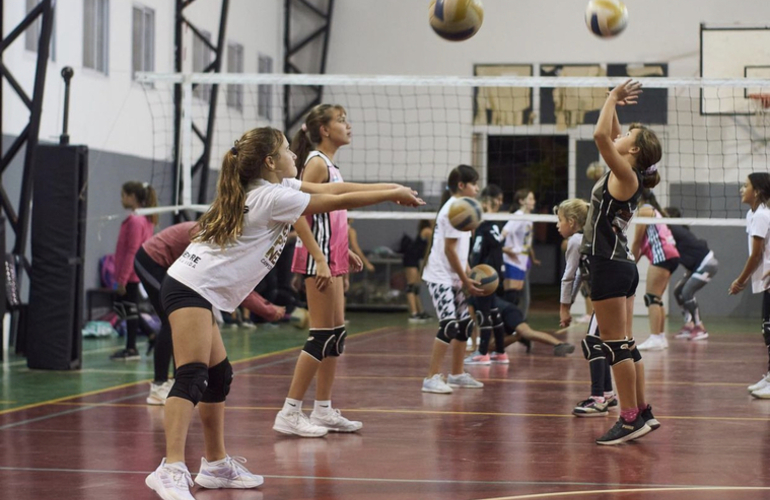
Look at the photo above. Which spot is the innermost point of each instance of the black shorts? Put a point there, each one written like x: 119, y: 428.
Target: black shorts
x: 175, y: 295
x: 612, y: 278
x: 670, y: 265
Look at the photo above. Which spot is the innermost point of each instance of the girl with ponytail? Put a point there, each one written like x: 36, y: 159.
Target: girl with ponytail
x: 240, y: 239
x: 134, y: 231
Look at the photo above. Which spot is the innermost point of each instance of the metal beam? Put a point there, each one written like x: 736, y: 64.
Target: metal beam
x: 202, y: 166
x: 292, y: 115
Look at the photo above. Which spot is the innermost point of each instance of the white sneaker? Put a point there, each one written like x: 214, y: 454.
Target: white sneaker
x: 464, y: 380
x: 227, y: 473
x: 334, y: 421
x: 171, y: 481
x: 762, y: 384
x: 298, y: 424
x: 436, y: 385
x: 763, y: 393
x: 654, y: 343
x: 159, y: 392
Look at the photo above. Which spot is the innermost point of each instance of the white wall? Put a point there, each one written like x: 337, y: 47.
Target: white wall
x: 393, y: 37
x: 110, y: 112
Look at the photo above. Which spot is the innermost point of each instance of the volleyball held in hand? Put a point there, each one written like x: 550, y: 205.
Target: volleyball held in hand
x: 456, y: 20
x: 465, y: 214
x: 606, y: 18
x: 487, y: 277
x: 595, y: 171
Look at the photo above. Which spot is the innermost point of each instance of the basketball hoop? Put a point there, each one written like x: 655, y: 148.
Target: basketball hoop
x: 761, y: 102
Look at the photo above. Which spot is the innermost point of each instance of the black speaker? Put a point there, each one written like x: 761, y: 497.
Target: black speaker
x: 57, y: 237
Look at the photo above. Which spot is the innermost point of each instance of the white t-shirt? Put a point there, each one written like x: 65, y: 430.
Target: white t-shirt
x: 758, y: 224
x: 518, y: 237
x: 225, y: 276
x: 437, y: 269
x: 570, y: 281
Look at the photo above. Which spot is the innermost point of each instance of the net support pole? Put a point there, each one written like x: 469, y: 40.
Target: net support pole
x: 187, y: 143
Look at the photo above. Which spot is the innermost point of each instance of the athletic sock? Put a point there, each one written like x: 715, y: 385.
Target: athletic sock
x: 292, y: 405
x: 323, y: 406
x: 629, y: 416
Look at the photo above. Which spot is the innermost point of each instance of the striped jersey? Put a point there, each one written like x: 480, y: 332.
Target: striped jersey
x: 330, y: 231
x: 658, y: 244
x: 604, y: 234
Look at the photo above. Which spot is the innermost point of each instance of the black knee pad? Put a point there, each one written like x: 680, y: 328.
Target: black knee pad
x: 220, y: 378
x: 496, y: 317
x: 465, y: 327
x: 617, y: 351
x: 338, y: 345
x: 190, y: 382
x: 484, y: 320
x: 592, y: 348
x: 766, y: 332
x: 413, y: 288
x: 317, y: 344
x: 650, y: 299
x: 448, y: 329
x: 125, y: 309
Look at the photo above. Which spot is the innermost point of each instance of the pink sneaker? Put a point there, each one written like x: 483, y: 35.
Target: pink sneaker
x: 477, y: 359
x: 499, y: 358
x: 699, y: 333
x: 685, y: 333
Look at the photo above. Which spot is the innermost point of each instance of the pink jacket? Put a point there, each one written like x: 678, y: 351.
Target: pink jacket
x: 134, y: 231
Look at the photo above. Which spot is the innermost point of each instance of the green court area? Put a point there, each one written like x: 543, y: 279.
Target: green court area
x: 22, y: 387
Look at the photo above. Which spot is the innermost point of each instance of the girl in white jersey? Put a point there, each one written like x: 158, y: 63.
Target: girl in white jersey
x: 518, y: 252
x: 446, y: 274
x: 756, y: 194
x: 241, y: 237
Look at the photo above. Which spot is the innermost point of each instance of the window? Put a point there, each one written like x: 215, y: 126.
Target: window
x: 265, y: 92
x: 235, y: 65
x: 96, y: 30
x: 32, y: 34
x: 202, y: 57
x: 143, y: 40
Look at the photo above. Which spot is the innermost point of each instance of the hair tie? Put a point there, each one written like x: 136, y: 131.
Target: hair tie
x: 145, y: 185
x: 304, y: 127
x: 234, y: 149
x: 651, y: 169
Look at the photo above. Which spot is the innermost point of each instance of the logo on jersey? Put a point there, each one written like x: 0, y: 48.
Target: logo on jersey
x: 271, y: 256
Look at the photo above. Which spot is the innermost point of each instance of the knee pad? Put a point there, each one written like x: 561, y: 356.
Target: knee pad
x: 483, y: 320
x: 220, y: 378
x: 766, y: 332
x: 317, y: 344
x: 592, y: 348
x: 650, y: 299
x: 448, y: 329
x: 413, y: 288
x: 337, y: 346
x: 495, y: 316
x: 190, y: 382
x: 465, y: 327
x: 126, y: 310
x: 617, y: 351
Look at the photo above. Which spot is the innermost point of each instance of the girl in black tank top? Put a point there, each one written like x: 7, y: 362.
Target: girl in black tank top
x: 631, y: 158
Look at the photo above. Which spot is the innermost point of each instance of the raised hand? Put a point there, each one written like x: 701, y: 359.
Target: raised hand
x: 627, y: 92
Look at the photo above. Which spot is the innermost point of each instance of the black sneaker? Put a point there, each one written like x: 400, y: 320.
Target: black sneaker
x: 561, y: 350
x: 622, y: 431
x: 612, y: 402
x: 649, y: 418
x: 425, y: 316
x: 590, y: 408
x: 126, y: 355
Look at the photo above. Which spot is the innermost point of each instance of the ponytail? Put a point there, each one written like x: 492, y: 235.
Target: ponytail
x: 649, y: 197
x: 242, y: 164
x: 301, y: 146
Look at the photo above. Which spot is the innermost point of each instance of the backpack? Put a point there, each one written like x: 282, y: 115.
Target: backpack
x: 107, y: 271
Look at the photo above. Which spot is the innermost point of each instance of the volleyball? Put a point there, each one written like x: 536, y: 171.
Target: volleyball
x: 456, y: 20
x: 299, y: 318
x: 595, y: 171
x: 487, y: 276
x: 606, y: 18
x: 465, y: 214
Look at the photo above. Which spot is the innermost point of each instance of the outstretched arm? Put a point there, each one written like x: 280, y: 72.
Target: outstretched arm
x: 320, y: 203
x: 344, y: 187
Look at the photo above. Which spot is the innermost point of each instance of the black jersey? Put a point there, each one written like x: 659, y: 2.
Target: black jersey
x: 608, y: 220
x: 488, y: 247
x: 692, y: 251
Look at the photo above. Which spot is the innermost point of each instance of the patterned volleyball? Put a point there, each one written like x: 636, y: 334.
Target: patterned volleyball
x: 606, y: 18
x: 487, y: 277
x: 456, y: 20
x: 465, y: 214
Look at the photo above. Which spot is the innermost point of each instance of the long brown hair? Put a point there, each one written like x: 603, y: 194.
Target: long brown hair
x: 650, y: 153
x: 649, y: 197
x: 222, y: 224
x: 760, y: 181
x: 309, y: 137
x: 145, y: 196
